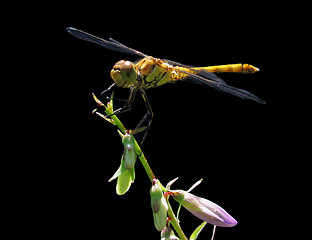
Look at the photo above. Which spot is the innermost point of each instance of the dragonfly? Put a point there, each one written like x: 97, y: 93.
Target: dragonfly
x: 149, y: 72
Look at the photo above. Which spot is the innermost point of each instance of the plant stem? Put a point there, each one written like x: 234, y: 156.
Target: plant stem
x: 117, y: 122
x: 110, y: 113
x: 144, y: 161
x: 175, y: 223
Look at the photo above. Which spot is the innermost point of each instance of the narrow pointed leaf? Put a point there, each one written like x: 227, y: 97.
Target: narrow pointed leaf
x: 120, y: 170
x: 197, y: 231
x: 116, y: 175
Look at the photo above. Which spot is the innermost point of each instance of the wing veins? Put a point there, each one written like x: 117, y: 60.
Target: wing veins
x: 222, y: 86
x: 112, y: 45
x: 202, y: 72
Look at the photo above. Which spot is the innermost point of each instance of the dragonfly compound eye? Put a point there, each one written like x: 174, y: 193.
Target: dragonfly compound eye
x: 116, y: 74
x: 128, y: 72
x: 124, y: 74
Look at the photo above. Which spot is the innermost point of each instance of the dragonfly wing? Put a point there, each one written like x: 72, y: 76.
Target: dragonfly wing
x: 201, y: 72
x: 112, y: 45
x: 222, y: 86
x: 209, y: 75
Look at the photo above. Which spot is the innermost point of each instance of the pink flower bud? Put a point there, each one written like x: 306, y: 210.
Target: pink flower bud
x: 204, y: 209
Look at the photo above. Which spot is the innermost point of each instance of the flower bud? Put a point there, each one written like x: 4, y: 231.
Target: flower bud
x: 123, y: 182
x: 204, y: 209
x: 129, y: 151
x: 125, y: 177
x: 159, y: 206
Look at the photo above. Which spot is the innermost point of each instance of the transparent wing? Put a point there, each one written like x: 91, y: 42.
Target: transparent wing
x: 201, y: 72
x: 112, y: 44
x: 222, y: 86
x: 204, y: 73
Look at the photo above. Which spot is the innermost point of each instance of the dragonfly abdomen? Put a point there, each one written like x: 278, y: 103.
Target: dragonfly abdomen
x: 238, y: 68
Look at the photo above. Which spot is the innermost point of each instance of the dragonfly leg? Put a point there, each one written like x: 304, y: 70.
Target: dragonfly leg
x: 109, y: 88
x: 148, y: 116
x: 129, y: 103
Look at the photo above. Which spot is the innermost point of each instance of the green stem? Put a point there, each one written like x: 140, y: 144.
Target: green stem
x: 118, y: 123
x: 144, y: 162
x: 174, y: 222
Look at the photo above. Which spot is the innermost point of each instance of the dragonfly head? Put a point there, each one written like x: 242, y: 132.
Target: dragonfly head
x: 124, y: 74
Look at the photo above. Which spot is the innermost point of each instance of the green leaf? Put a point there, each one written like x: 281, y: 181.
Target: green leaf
x: 116, y: 175
x: 120, y: 134
x: 178, y: 212
x: 197, y: 231
x: 120, y: 170
x: 111, y: 102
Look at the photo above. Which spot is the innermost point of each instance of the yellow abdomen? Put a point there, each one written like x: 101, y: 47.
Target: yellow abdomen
x: 237, y: 68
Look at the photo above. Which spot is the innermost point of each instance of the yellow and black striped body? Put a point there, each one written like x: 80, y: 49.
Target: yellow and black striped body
x: 229, y: 68
x: 154, y: 72
x: 236, y: 68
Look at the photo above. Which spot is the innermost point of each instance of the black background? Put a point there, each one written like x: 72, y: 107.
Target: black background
x: 197, y: 132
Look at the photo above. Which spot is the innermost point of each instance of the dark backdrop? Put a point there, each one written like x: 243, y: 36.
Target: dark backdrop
x: 197, y: 132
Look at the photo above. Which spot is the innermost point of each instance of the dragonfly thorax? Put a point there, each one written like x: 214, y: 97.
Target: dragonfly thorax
x: 124, y: 74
